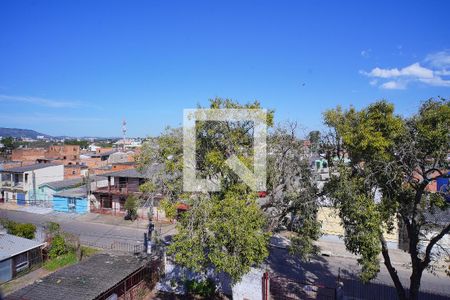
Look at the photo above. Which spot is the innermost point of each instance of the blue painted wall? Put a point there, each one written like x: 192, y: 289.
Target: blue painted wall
x: 62, y: 204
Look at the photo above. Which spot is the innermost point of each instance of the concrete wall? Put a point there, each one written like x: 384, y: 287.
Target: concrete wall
x: 331, y: 224
x: 250, y: 287
x: 44, y: 175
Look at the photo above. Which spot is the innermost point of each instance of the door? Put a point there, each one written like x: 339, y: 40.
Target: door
x: 21, y: 198
x: 5, y: 270
x: 72, y: 203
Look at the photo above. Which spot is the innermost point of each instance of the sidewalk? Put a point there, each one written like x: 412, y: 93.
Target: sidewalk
x: 86, y: 218
x: 337, y: 249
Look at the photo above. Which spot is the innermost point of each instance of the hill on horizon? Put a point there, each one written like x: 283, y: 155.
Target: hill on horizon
x: 18, y: 133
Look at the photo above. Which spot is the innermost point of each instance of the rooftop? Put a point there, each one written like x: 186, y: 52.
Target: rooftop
x: 73, y: 193
x: 11, y: 245
x: 85, y: 280
x: 70, y: 183
x: 130, y: 173
x: 29, y: 168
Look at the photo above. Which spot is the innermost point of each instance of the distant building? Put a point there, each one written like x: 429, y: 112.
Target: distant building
x: 121, y: 184
x: 18, y: 184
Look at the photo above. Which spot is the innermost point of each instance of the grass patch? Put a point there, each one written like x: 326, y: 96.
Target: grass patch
x: 88, y: 251
x: 61, y: 261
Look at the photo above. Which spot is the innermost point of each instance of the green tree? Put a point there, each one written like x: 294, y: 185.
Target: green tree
x: 222, y: 230
x: 399, y: 157
x: 131, y: 205
x: 314, y: 138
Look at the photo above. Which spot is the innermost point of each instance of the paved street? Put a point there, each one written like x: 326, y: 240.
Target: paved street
x: 324, y: 270
x: 91, y: 230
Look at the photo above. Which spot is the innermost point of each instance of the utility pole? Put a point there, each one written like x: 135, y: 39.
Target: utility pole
x: 124, y: 133
x: 33, y: 176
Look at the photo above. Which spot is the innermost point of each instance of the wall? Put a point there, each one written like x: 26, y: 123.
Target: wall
x: 44, y: 175
x: 331, y: 224
x: 62, y: 204
x: 250, y: 287
x: 28, y: 154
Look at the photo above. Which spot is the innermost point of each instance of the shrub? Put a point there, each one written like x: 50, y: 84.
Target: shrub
x: 53, y: 228
x: 131, y: 205
x: 58, y: 246
x: 203, y: 288
x: 169, y: 208
x: 25, y: 230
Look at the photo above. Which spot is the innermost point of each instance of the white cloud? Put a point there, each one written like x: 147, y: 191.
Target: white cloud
x: 414, y: 70
x: 434, y: 73
x: 393, y: 85
x: 439, y: 59
x: 40, y: 101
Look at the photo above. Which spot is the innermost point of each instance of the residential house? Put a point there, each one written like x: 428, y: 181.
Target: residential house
x: 47, y: 190
x: 66, y: 154
x: 17, y: 255
x: 73, y: 200
x: 102, y: 276
x: 19, y: 184
x: 75, y: 171
x: 121, y: 184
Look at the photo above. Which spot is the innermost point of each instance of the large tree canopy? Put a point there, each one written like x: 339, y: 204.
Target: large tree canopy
x: 228, y: 230
x: 399, y: 157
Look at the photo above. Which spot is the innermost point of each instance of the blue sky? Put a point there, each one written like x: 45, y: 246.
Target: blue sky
x: 80, y: 67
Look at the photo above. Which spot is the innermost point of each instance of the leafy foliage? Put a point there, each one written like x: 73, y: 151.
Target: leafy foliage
x: 131, y: 205
x: 223, y: 231
x: 58, y: 246
x: 204, y: 288
x: 25, y: 230
x: 398, y: 157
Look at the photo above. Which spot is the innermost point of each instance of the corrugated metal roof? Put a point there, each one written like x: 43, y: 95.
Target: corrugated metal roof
x: 29, y: 168
x: 73, y: 193
x: 11, y: 245
x: 69, y: 183
x: 85, y: 280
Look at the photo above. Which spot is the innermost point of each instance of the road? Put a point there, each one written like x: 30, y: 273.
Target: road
x: 320, y: 270
x: 324, y: 270
x: 94, y: 234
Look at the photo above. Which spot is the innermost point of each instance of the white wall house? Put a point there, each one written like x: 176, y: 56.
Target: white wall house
x: 18, y: 184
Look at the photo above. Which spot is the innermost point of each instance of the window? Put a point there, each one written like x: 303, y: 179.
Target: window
x: 106, y: 203
x: 26, y: 178
x: 21, y: 261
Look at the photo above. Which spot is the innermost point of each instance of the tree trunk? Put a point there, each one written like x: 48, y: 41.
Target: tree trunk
x: 414, y: 287
x: 392, y: 271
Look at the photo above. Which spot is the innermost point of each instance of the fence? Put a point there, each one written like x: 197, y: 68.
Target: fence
x: 118, y: 246
x: 354, y: 288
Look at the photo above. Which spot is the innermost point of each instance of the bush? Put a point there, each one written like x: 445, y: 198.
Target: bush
x: 25, y: 230
x: 58, y: 246
x: 169, y: 208
x: 52, y: 228
x: 131, y: 205
x: 204, y: 288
